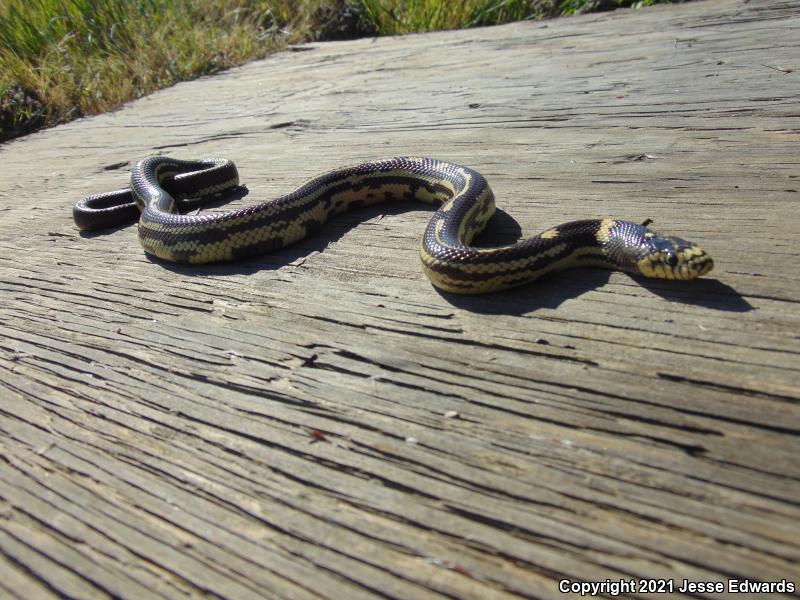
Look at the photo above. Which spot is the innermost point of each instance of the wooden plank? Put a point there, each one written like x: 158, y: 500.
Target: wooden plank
x: 320, y: 422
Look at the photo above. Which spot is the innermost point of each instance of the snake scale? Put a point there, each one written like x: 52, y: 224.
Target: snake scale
x: 161, y: 187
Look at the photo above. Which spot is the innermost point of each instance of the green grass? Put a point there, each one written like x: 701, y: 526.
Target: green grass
x: 431, y: 15
x: 61, y: 59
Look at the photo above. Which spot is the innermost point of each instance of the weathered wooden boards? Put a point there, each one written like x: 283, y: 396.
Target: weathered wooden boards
x: 321, y: 422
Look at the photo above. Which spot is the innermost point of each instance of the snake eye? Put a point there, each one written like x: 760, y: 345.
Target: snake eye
x: 672, y: 260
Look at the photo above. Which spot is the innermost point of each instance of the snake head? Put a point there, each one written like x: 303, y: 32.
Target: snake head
x: 667, y: 257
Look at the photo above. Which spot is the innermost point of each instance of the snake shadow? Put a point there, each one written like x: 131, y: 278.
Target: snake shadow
x: 705, y: 292
x: 555, y: 289
x: 548, y: 292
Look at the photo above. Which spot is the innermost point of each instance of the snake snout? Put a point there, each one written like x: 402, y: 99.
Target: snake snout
x: 692, y: 261
x: 701, y: 265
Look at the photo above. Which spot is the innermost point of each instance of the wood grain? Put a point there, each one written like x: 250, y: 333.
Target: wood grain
x: 321, y: 423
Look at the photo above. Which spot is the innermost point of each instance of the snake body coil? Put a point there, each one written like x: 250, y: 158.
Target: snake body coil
x: 161, y: 185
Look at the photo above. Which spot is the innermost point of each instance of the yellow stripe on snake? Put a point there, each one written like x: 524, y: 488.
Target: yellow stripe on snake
x: 161, y: 186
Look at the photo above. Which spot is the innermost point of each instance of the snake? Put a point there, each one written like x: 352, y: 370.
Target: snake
x: 162, y: 189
